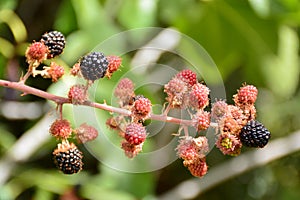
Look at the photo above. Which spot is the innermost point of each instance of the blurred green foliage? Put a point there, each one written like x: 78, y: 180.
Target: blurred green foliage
x: 254, y: 41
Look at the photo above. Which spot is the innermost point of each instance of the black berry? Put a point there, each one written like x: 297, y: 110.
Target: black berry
x: 68, y: 158
x: 93, y: 66
x: 254, y: 134
x: 55, y: 41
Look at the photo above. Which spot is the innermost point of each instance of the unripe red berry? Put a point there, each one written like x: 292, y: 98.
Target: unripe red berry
x: 36, y: 52
x: 77, y: 94
x: 176, y: 90
x: 86, y: 133
x: 198, y: 168
x: 61, y: 129
x: 114, y: 62
x: 246, y: 95
x: 187, y: 76
x: 230, y: 125
x: 237, y: 114
x: 135, y: 133
x: 141, y: 108
x: 191, y: 149
x: 219, y: 110
x: 198, y: 97
x: 55, y: 71
x: 201, y: 120
x: 124, y: 91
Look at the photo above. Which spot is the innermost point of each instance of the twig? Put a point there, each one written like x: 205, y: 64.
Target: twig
x: 62, y: 100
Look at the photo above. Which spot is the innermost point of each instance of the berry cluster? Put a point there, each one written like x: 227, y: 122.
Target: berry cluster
x: 185, y: 92
x: 50, y: 45
x: 235, y: 125
x: 67, y: 157
x: 96, y: 65
x: 130, y: 128
x: 193, y: 151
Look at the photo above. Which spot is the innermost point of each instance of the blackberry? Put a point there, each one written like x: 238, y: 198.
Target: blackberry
x: 254, y: 134
x: 93, y: 66
x: 55, y: 41
x: 68, y: 158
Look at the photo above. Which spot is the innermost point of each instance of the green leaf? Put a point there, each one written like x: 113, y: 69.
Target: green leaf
x: 262, y: 7
x: 6, y: 48
x: 282, y: 71
x: 7, y: 139
x: 65, y: 18
x: 42, y: 194
x: 15, y: 24
x: 137, y: 13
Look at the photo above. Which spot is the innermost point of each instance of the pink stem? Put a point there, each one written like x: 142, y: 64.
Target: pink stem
x: 62, y: 100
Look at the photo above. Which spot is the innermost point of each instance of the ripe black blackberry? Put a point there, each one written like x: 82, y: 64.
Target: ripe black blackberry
x: 93, y: 66
x: 254, y: 134
x: 68, y: 158
x: 55, y: 41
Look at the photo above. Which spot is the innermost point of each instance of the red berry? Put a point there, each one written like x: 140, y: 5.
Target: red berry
x: 78, y: 94
x: 191, y: 149
x: 198, y: 97
x: 114, y: 62
x: 219, y: 110
x: 141, y: 108
x: 246, y: 95
x: 237, y: 114
x: 201, y: 120
x: 36, y: 52
x: 176, y: 90
x: 135, y: 134
x: 187, y: 76
x: 124, y: 91
x: 230, y: 125
x: 198, y: 168
x: 61, y: 129
x: 86, y: 133
x: 55, y: 71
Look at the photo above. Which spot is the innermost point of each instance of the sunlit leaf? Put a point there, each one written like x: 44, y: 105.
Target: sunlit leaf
x: 282, y: 71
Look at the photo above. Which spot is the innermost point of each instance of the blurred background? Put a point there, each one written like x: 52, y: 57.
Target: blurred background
x: 252, y: 41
